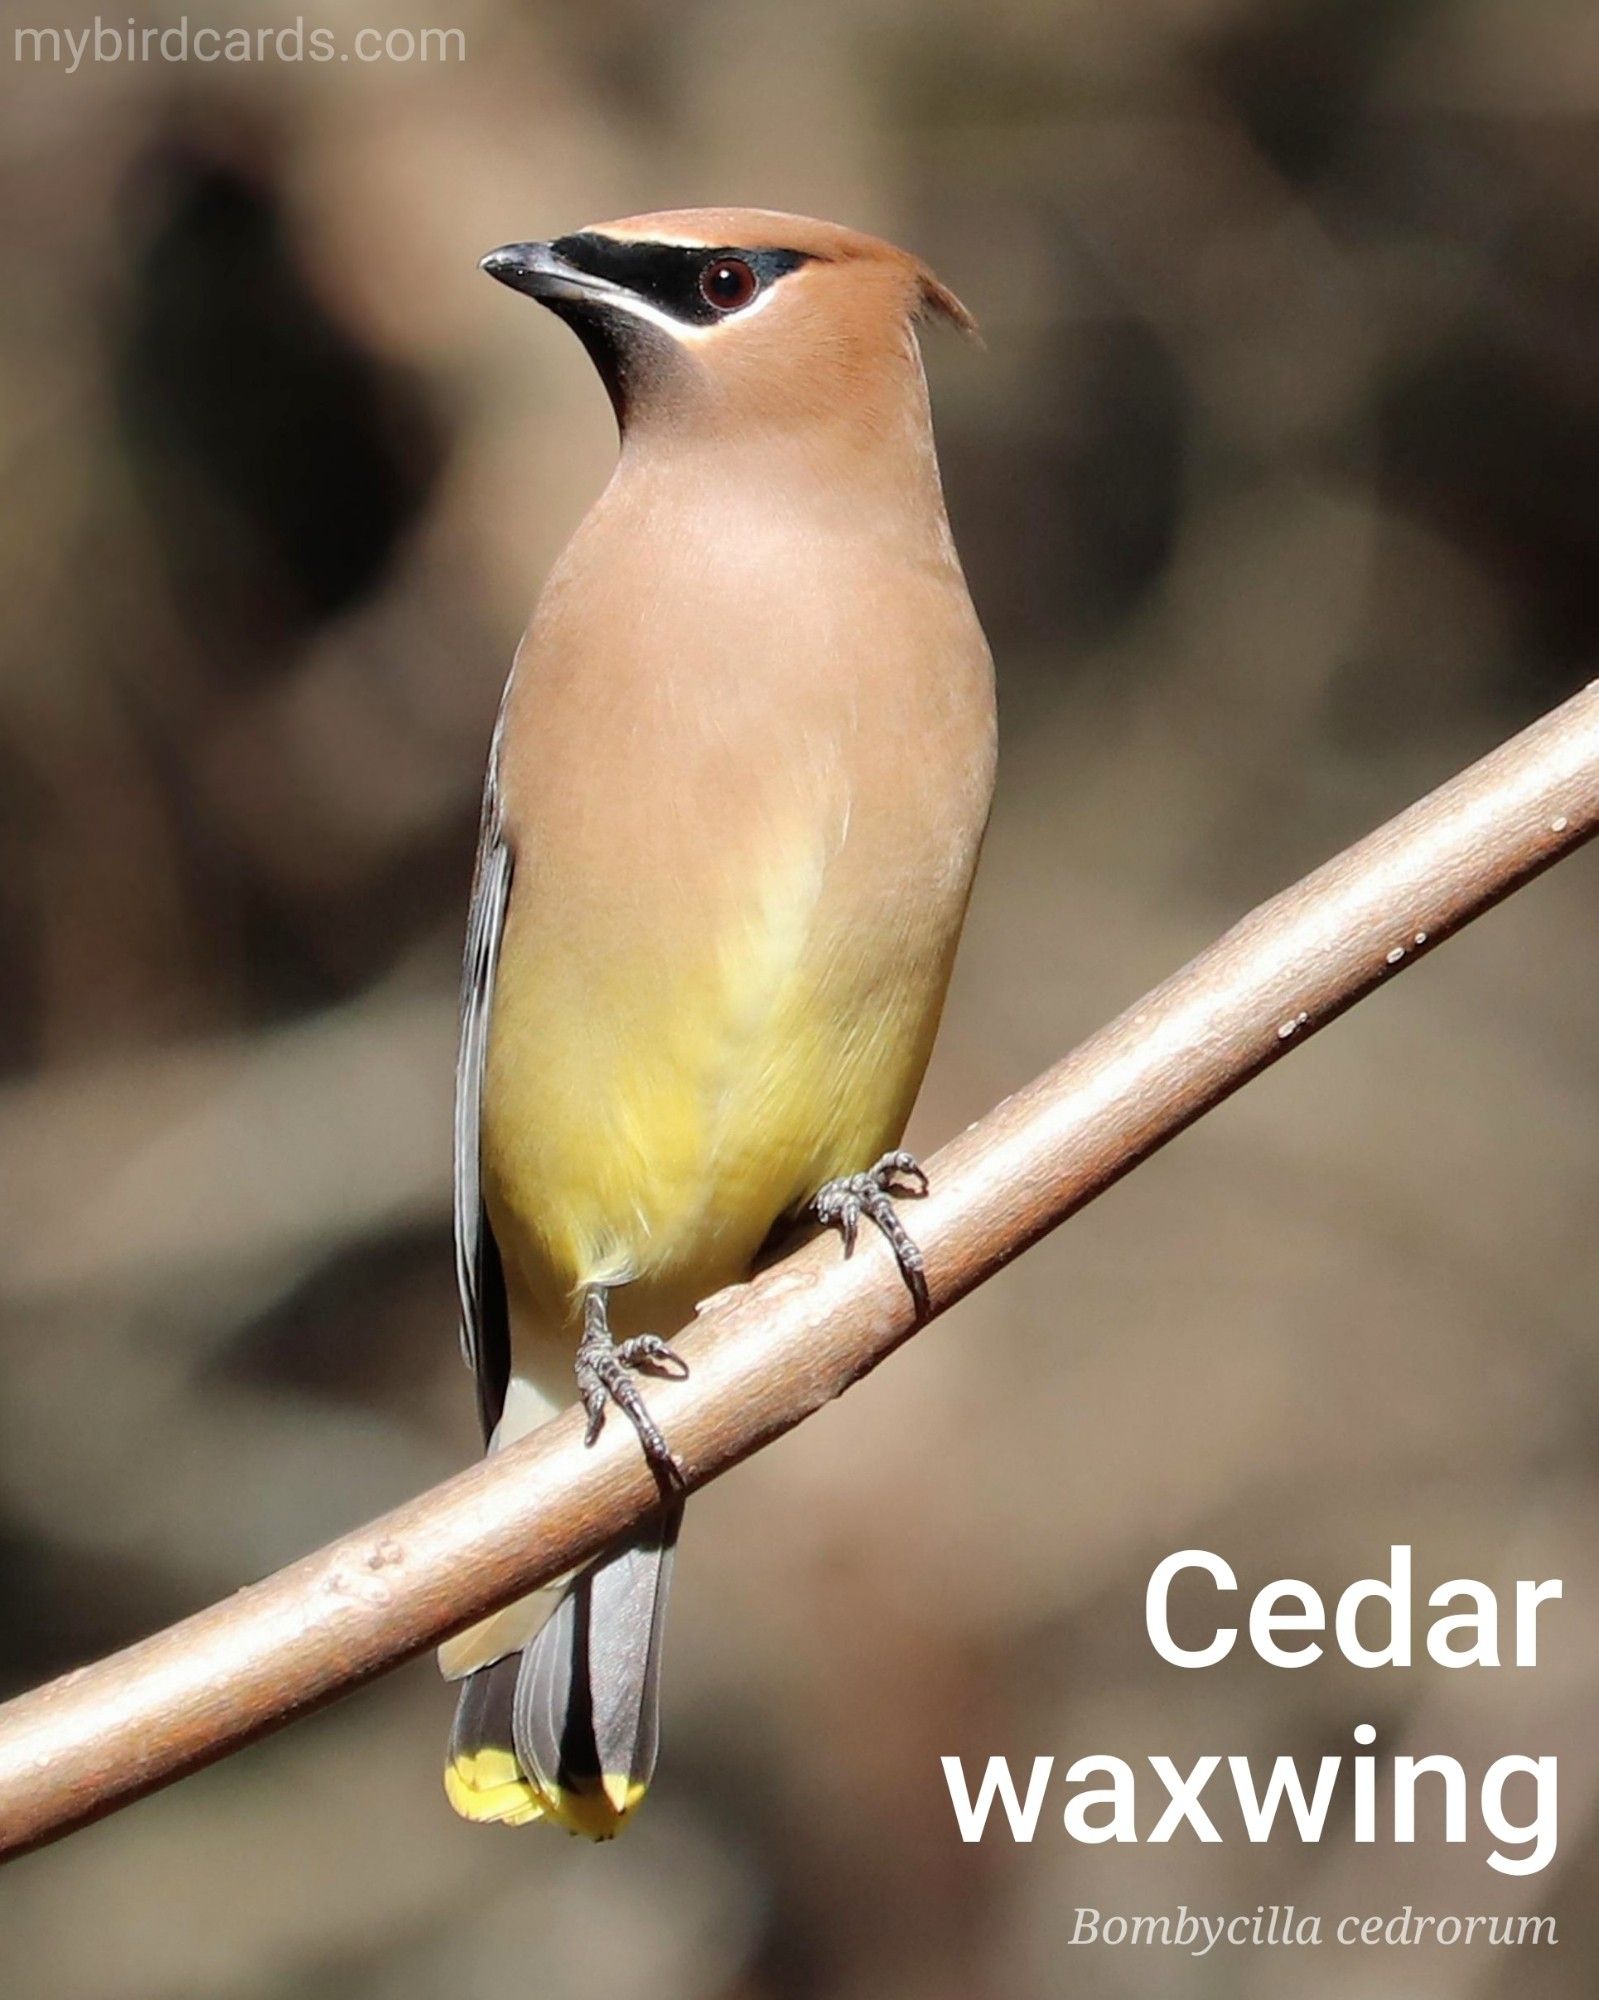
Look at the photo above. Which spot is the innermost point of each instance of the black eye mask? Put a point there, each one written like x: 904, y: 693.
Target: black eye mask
x: 668, y: 275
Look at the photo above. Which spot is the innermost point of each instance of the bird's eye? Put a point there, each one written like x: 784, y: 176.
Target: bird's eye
x: 728, y: 283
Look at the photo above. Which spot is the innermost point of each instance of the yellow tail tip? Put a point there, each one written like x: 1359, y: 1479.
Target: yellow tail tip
x: 487, y: 1786
x: 600, y: 1814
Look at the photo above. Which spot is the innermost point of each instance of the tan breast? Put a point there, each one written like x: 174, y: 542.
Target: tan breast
x: 746, y: 766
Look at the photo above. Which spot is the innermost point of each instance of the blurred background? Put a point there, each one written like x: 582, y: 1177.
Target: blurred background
x: 1278, y: 485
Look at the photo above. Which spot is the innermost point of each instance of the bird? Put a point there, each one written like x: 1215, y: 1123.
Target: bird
x: 736, y: 793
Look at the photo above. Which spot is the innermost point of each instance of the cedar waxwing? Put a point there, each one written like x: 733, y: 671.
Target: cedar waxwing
x: 735, y: 797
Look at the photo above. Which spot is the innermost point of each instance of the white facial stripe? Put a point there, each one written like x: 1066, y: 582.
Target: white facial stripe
x: 652, y: 315
x: 762, y: 299
x: 652, y: 236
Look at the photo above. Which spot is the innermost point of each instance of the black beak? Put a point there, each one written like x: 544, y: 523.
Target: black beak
x: 538, y: 270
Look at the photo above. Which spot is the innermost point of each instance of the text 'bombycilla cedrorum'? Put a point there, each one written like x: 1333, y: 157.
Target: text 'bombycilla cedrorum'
x: 734, y: 804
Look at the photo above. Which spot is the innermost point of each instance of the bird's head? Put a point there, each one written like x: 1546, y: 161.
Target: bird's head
x: 710, y: 319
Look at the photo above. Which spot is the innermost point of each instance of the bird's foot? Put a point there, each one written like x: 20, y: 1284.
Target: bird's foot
x: 605, y: 1375
x: 840, y: 1205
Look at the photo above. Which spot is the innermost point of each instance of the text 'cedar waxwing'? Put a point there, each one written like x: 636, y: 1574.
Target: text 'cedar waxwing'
x: 734, y: 803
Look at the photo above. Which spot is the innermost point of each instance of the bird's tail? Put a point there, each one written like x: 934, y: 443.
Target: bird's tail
x: 565, y: 1727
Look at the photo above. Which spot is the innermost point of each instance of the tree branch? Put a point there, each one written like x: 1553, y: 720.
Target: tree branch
x: 767, y: 1355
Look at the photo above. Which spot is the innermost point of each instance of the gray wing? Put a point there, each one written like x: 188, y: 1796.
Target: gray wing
x: 479, y: 1274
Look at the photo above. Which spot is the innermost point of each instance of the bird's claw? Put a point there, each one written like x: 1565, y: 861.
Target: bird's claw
x: 649, y: 1350
x: 604, y: 1376
x: 840, y: 1204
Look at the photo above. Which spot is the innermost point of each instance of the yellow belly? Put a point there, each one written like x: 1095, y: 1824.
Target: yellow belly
x: 650, y: 1115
